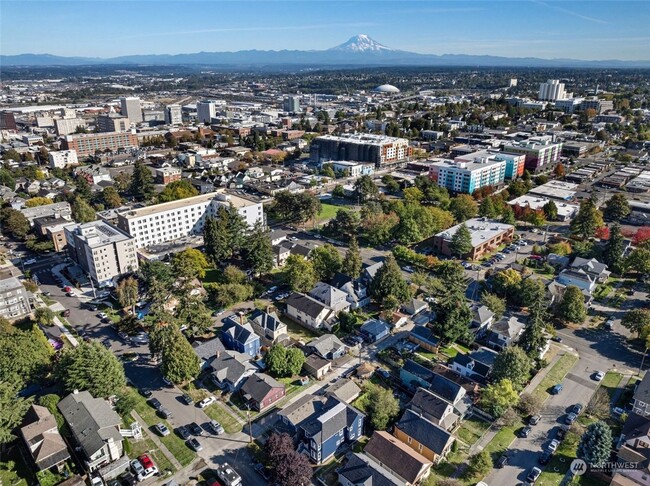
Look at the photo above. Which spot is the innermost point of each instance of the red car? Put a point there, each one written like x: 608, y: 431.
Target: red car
x: 67, y: 289
x: 146, y: 461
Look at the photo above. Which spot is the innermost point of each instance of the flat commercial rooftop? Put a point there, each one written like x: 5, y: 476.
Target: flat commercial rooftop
x: 556, y: 190
x: 481, y: 229
x: 532, y: 201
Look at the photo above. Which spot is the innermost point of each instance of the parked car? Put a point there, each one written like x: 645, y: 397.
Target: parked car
x: 102, y: 315
x: 167, y: 382
x: 599, y: 375
x: 561, y: 433
x: 195, y: 428
x: 145, y: 393
x: 577, y: 408
x: 162, y: 429
x: 262, y: 471
x: 183, y: 432
x: 502, y: 461
x: 136, y: 467
x: 194, y: 444
x: 155, y: 403
x: 570, y: 418
x: 165, y: 413
x: 609, y: 325
x: 525, y: 432
x: 553, y: 445
x: 534, y: 420
x: 533, y: 475
x: 544, y: 458
x: 207, y: 402
x: 187, y: 399
x: 216, y: 427
x: 557, y: 389
x: 71, y: 294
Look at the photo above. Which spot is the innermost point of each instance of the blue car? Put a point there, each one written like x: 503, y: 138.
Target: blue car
x: 556, y: 389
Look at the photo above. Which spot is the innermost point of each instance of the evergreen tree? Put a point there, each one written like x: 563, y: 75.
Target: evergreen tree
x: 617, y: 208
x: 614, y: 249
x: 461, y: 241
x: 595, y: 446
x: 532, y: 339
x: 572, y: 308
x: 508, y: 216
x: 487, y: 208
x: 550, y: 211
x: 127, y: 292
x: 365, y: 188
x: 92, y: 367
x: 179, y: 361
x: 352, y: 262
x: 141, y: 186
x: 12, y: 411
x: 388, y: 282
x: 513, y: 364
x: 588, y: 219
x: 258, y: 251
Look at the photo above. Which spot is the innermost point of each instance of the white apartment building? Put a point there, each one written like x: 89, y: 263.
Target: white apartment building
x: 131, y: 108
x: 551, y: 90
x: 170, y: 221
x: 460, y: 176
x: 14, y: 300
x: 63, y: 159
x: 173, y: 115
x: 102, y: 250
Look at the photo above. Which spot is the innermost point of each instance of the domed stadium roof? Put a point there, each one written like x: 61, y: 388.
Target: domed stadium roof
x: 386, y: 88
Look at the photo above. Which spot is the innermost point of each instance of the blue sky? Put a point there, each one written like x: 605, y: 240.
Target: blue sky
x: 589, y: 29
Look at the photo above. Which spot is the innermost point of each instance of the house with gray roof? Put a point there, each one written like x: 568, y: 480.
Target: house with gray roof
x: 309, y: 311
x: 229, y: 369
x: 260, y: 391
x: 344, y: 389
x: 578, y: 278
x: 592, y: 267
x: 240, y: 337
x: 206, y: 350
x: 267, y: 325
x: 327, y: 346
x: 476, y: 365
x: 423, y: 436
x: 95, y: 428
x: 434, y: 409
x: 360, y: 470
x: 42, y: 438
x: 504, y: 332
x: 332, y: 297
x: 482, y: 319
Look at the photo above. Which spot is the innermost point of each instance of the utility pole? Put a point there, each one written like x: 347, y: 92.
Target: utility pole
x: 642, y: 360
x: 250, y: 428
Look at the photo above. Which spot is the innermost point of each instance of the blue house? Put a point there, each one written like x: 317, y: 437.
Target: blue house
x: 322, y: 433
x: 240, y: 337
x: 374, y: 330
x: 415, y: 375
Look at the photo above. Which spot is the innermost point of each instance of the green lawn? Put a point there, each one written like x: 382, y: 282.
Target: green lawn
x: 611, y: 382
x: 561, y: 461
x: 183, y: 454
x: 148, y: 446
x: 471, y: 430
x: 448, y: 467
x: 555, y: 375
x: 297, y: 332
x: 328, y: 211
x: 217, y: 412
x: 426, y: 354
x: 502, y: 440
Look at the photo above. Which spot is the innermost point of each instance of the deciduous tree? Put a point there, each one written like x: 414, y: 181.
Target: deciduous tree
x: 189, y: 264
x: 495, y: 303
x: 44, y: 315
x: 14, y: 223
x: 299, y: 273
x: 82, y: 212
x: 513, y: 364
x: 636, y: 319
x: 497, y: 397
x: 479, y: 464
x: 177, y: 190
x: 127, y: 293
x: 326, y: 261
x: 381, y: 405
x: 463, y: 207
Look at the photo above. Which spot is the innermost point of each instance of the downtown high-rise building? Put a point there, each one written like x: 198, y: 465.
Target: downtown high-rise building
x: 291, y: 104
x: 130, y: 107
x: 173, y: 115
x: 551, y: 90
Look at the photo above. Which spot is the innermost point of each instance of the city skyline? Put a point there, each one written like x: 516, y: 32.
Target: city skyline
x: 544, y: 29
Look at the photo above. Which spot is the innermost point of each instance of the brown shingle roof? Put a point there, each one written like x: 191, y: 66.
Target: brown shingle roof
x: 396, y: 456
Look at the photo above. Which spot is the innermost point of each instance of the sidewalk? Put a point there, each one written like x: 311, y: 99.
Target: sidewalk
x: 480, y: 444
x: 57, y: 307
x: 85, y: 293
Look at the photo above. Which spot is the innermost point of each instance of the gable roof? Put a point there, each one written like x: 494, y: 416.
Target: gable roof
x: 206, y: 350
x: 445, y: 388
x: 266, y: 321
x: 91, y: 420
x: 371, y: 270
x: 340, y: 279
x: 425, y: 432
x: 396, y: 456
x: 482, y: 314
x: 374, y: 327
x: 259, y: 385
x: 428, y: 403
x: 241, y: 333
x: 591, y: 266
x: 44, y: 442
x: 344, y: 389
x: 306, y: 304
x: 334, y: 417
x: 230, y: 366
x: 425, y: 334
x: 326, y: 344
x: 361, y: 471
x: 414, y: 306
x: 642, y: 391
x: 327, y: 294
x: 302, y: 409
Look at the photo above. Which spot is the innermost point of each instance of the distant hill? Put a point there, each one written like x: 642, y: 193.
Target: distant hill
x: 360, y: 50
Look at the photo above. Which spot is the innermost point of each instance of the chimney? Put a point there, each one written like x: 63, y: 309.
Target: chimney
x: 75, y: 392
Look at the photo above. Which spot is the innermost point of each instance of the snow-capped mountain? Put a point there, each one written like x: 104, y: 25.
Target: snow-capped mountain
x: 361, y: 43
